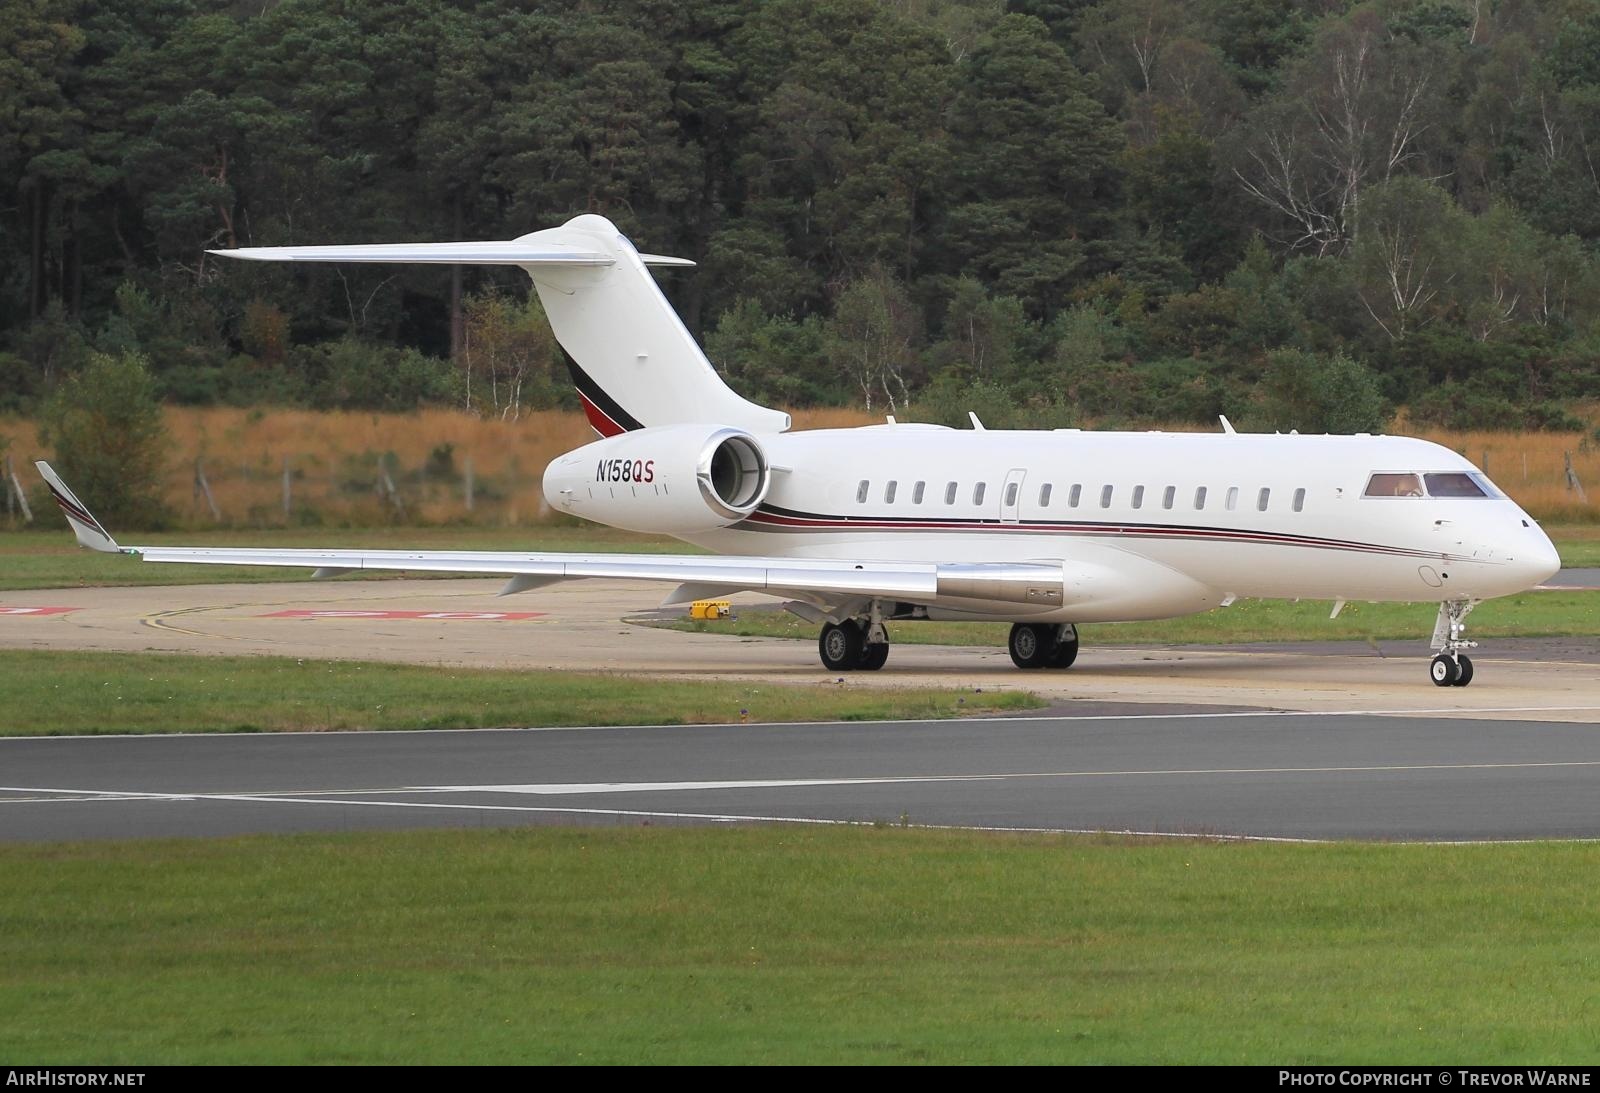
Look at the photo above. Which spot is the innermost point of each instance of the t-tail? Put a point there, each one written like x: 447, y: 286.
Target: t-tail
x: 634, y: 362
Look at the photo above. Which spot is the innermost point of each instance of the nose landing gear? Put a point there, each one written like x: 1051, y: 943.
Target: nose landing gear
x: 1452, y: 667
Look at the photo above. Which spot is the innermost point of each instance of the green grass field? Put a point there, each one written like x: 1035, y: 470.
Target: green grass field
x: 1579, y: 544
x: 1531, y: 614
x: 790, y: 944
x: 78, y: 693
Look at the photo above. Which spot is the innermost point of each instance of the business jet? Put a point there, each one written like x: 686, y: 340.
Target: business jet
x: 857, y: 528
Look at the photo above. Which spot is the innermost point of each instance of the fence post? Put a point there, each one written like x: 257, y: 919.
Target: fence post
x: 287, y: 496
x: 386, y: 485
x: 470, y: 483
x: 1572, y: 479
x: 202, y: 488
x: 14, y: 487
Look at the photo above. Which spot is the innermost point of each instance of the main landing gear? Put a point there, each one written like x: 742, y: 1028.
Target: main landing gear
x: 848, y: 646
x: 1033, y: 645
x: 1452, y: 667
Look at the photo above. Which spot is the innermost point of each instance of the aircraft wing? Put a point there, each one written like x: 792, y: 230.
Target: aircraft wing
x: 824, y: 579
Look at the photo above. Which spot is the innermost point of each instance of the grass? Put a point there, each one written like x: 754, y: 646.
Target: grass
x: 52, y: 559
x: 1530, y: 614
x: 794, y: 945
x: 1579, y: 545
x: 85, y: 693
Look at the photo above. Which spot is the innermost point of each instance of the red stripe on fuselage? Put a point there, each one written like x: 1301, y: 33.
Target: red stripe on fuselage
x: 774, y: 521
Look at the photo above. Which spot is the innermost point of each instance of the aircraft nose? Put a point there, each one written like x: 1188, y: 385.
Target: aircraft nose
x: 1535, y: 559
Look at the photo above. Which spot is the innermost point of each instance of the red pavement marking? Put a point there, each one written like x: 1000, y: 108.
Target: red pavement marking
x: 37, y: 610
x: 454, y: 616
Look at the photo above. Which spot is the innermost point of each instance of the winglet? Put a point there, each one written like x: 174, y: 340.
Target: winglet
x: 88, y: 530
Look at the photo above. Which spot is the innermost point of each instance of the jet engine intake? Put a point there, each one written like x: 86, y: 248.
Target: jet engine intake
x: 672, y: 479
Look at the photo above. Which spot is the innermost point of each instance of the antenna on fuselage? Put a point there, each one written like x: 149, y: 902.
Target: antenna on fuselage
x: 976, y: 424
x: 1227, y: 426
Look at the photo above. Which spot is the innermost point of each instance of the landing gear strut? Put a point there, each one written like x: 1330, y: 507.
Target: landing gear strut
x: 1452, y: 667
x: 1033, y: 645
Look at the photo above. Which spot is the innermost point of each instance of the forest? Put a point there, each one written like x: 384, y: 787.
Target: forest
x: 1300, y: 213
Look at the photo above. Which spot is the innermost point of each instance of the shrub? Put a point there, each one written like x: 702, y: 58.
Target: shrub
x: 110, y: 442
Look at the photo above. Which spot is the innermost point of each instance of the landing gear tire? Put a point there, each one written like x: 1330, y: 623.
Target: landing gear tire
x: 1452, y: 667
x: 874, y: 656
x: 843, y: 647
x: 1066, y: 650
x: 1445, y: 672
x: 1030, y: 646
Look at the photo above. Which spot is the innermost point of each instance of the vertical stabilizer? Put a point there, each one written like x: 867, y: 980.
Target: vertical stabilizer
x: 633, y: 360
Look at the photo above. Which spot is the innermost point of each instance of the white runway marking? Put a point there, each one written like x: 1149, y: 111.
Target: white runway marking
x: 575, y: 789
x: 350, y: 797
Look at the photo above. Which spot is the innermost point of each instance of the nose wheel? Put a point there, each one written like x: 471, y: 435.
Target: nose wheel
x: 1452, y: 667
x: 1451, y: 671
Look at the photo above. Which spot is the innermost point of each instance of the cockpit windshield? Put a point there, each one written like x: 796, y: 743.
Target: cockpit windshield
x: 1394, y: 485
x: 1452, y: 484
x: 1458, y: 485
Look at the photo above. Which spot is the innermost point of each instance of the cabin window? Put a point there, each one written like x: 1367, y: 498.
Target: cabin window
x: 1138, y: 497
x: 1394, y: 485
x: 1454, y: 485
x: 916, y: 493
x: 861, y: 493
x: 1105, y: 497
x: 1011, y: 494
x: 1044, y: 495
x: 1168, y: 496
x: 1300, y: 499
x: 888, y: 491
x: 1075, y: 494
x: 1200, y: 497
x: 977, y: 493
x: 1262, y: 498
x: 1232, y: 501
x: 950, y: 494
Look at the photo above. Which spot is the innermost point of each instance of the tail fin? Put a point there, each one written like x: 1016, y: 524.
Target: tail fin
x: 632, y: 359
x: 88, y: 530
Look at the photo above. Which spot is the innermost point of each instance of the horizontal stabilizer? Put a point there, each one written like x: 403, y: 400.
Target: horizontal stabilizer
x: 511, y: 252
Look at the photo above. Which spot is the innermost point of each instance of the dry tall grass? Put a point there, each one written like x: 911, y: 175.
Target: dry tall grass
x: 336, y: 462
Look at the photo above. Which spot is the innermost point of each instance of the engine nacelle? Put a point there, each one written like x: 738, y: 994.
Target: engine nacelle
x: 672, y: 479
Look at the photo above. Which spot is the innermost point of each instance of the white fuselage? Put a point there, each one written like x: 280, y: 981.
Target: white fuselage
x: 1160, y: 524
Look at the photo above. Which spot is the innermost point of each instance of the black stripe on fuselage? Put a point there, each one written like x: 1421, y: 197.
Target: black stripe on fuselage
x: 607, y: 405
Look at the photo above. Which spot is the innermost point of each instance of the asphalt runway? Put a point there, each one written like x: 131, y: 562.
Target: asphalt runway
x: 1279, y: 776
